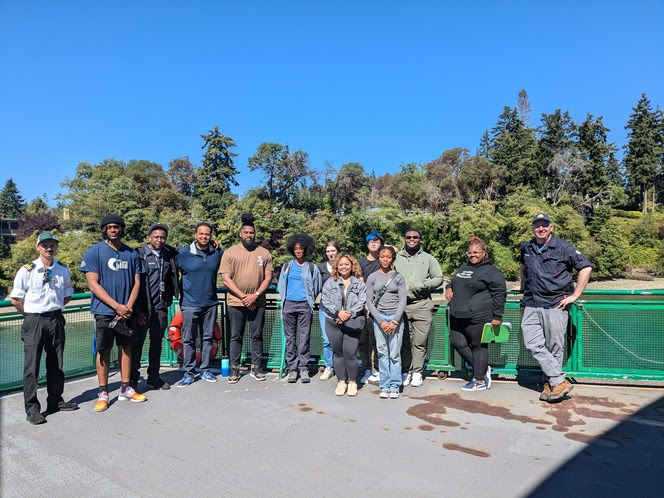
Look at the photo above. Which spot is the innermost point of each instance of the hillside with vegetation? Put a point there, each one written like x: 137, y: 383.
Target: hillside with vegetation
x: 609, y: 207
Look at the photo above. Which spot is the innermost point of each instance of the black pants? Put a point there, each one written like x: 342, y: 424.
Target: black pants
x: 297, y: 315
x: 406, y: 351
x: 156, y: 323
x: 238, y: 317
x: 466, y: 339
x: 344, y: 342
x: 43, y: 332
x: 367, y: 348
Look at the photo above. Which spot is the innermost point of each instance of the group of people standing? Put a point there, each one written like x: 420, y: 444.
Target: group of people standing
x: 379, y: 307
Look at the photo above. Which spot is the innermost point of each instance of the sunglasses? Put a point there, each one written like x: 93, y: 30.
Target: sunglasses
x: 48, y: 276
x: 474, y: 253
x: 412, y: 237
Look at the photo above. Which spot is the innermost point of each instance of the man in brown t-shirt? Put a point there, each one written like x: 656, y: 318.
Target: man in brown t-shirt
x: 246, y: 271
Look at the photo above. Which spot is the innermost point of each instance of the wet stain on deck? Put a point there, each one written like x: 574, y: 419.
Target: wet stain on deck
x: 425, y: 427
x: 464, y: 449
x: 436, y: 406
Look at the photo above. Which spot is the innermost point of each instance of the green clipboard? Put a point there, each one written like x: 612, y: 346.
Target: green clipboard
x: 496, y: 334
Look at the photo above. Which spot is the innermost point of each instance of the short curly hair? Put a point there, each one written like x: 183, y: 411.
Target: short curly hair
x: 355, y: 270
x: 303, y: 240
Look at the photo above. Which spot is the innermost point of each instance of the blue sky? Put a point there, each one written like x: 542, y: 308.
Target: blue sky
x: 377, y: 82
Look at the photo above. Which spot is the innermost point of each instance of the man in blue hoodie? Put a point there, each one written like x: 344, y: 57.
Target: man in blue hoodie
x: 198, y: 263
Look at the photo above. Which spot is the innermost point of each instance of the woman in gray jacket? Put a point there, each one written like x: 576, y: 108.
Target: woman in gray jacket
x: 344, y: 296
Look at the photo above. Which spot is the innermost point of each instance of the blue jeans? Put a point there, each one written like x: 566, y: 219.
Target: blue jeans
x: 389, y: 355
x: 327, y: 348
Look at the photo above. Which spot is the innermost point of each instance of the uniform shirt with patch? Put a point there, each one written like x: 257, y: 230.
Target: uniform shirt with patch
x: 39, y: 296
x: 548, y: 271
x: 116, y: 270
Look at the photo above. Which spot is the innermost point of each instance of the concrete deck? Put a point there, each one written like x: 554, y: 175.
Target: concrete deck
x: 276, y: 439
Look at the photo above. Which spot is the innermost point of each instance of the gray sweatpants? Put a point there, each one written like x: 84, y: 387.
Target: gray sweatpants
x: 544, y: 336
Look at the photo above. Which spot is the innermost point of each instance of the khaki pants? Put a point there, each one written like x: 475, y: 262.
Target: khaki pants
x: 418, y: 324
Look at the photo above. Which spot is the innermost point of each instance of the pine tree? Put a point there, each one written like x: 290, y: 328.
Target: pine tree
x: 601, y: 173
x: 12, y: 203
x: 216, y: 174
x: 558, y: 136
x: 514, y: 150
x: 643, y: 159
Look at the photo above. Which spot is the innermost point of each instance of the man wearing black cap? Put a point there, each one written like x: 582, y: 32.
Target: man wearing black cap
x: 112, y: 271
x: 159, y: 283
x: 547, y: 283
x: 41, y: 290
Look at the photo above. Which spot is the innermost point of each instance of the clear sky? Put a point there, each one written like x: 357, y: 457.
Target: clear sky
x: 381, y: 83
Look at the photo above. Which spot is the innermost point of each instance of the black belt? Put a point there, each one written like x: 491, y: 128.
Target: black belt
x: 48, y: 314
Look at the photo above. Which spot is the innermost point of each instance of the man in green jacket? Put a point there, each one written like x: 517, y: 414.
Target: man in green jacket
x: 423, y: 274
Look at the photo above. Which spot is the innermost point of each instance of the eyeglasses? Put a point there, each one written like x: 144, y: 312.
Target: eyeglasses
x: 412, y: 237
x: 474, y: 253
x: 48, y: 276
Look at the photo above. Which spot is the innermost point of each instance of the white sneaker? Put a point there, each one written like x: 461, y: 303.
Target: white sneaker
x: 417, y: 380
x: 367, y: 374
x: 487, y: 378
x: 374, y: 379
x: 327, y: 374
x: 405, y: 379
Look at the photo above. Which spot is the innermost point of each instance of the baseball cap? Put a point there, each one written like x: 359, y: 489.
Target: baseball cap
x: 158, y: 226
x: 374, y: 235
x: 541, y: 217
x: 46, y: 236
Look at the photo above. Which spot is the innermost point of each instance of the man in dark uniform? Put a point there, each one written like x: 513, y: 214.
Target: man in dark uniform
x: 547, y: 283
x: 159, y: 284
x: 41, y: 290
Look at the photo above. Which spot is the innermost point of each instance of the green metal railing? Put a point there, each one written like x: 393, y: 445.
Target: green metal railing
x: 617, y: 338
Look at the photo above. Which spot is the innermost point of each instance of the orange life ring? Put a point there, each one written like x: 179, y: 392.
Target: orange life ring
x: 175, y: 339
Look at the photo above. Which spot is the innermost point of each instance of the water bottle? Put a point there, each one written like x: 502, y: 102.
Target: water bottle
x: 225, y: 367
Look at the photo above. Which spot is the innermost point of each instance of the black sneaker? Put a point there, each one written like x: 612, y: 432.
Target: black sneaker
x: 36, y: 418
x: 292, y: 377
x: 234, y: 377
x: 158, y: 383
x: 257, y: 373
x: 304, y: 376
x: 63, y: 406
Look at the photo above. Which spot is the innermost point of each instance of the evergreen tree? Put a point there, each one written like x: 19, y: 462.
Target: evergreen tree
x: 596, y: 185
x: 12, y: 203
x: 557, y: 140
x: 643, y: 159
x: 523, y: 108
x: 216, y: 175
x: 484, y: 149
x: 514, y: 150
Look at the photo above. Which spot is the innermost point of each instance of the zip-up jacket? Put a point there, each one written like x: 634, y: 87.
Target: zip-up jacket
x: 356, y: 297
x: 311, y: 280
x: 151, y: 269
x: 422, y: 273
x: 479, y: 292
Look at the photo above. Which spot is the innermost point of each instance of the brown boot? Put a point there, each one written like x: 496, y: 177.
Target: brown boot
x: 546, y: 392
x: 559, y: 391
x: 341, y: 388
x: 352, y: 388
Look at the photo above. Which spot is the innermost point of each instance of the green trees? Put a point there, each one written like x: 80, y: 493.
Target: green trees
x: 643, y: 156
x: 285, y: 172
x: 216, y: 175
x: 12, y: 203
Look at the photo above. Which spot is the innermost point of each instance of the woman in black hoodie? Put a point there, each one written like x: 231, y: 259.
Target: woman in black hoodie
x: 476, y: 296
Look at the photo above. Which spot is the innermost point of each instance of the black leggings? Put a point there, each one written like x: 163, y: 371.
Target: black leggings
x: 344, y: 342
x: 465, y: 337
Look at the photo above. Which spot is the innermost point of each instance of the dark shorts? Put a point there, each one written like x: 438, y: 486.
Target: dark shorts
x: 104, y: 336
